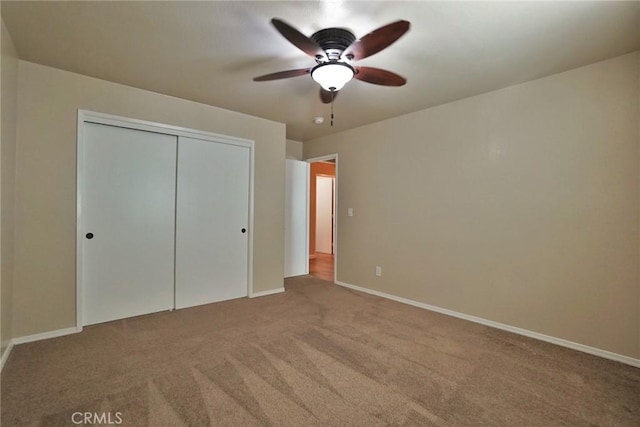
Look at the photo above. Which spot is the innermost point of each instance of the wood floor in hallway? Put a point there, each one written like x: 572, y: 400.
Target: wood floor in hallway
x: 322, y: 266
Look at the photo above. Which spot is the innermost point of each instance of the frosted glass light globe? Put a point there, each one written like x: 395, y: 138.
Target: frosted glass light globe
x: 332, y: 76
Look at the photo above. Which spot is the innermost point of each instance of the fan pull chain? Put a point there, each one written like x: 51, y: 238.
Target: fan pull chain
x: 332, y: 108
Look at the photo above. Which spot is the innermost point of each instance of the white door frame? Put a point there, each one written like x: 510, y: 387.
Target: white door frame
x: 333, y: 156
x: 85, y: 116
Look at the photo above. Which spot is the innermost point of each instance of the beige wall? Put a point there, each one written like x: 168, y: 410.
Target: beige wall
x: 519, y: 206
x: 44, y: 291
x: 8, y: 89
x: 294, y: 150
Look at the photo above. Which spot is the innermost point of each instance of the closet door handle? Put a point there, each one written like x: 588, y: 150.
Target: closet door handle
x: 89, y: 236
x: 244, y: 230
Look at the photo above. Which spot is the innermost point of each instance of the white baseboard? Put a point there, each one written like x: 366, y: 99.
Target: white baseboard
x: 47, y: 335
x: 5, y: 355
x: 265, y: 293
x: 35, y: 337
x: 542, y: 337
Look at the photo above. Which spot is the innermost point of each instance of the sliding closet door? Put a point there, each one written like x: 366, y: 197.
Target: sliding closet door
x: 212, y: 222
x: 127, y: 222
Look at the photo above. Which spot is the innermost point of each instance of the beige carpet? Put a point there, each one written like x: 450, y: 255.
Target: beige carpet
x: 318, y: 354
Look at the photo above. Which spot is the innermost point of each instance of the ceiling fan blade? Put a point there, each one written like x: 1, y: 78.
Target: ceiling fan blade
x: 326, y: 96
x: 298, y: 39
x: 282, y: 75
x: 378, y: 76
x: 377, y: 40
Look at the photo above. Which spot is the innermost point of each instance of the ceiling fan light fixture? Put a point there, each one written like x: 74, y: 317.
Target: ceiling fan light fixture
x: 332, y: 76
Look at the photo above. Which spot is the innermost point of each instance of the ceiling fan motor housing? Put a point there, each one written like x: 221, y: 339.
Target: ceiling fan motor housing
x: 334, y: 41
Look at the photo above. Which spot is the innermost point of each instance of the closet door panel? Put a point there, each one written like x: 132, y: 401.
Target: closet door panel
x: 212, y: 212
x: 127, y: 222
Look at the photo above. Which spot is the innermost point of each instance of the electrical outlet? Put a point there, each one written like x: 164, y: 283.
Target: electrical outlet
x: 378, y: 271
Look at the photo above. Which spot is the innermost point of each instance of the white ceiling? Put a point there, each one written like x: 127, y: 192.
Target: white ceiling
x: 210, y: 51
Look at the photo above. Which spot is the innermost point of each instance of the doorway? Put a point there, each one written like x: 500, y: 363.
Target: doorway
x: 322, y: 217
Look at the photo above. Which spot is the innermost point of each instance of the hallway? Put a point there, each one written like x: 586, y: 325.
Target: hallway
x: 322, y: 266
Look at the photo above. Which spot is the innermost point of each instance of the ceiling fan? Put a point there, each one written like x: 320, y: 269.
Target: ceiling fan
x: 334, y: 49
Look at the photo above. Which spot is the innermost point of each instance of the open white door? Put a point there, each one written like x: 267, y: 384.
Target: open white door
x: 296, y: 253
